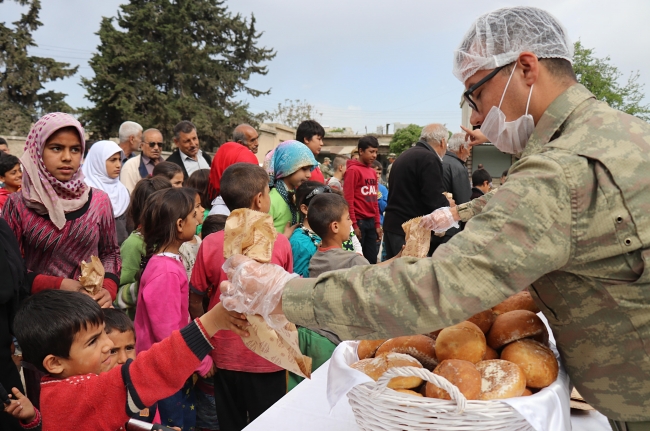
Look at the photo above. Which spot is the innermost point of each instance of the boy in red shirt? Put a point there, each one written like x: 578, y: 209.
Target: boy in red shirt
x: 62, y: 333
x: 245, y: 384
x: 311, y: 133
x: 360, y: 190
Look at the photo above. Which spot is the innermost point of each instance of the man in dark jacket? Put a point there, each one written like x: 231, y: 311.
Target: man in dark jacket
x: 416, y: 186
x: 188, y: 154
x: 455, y: 178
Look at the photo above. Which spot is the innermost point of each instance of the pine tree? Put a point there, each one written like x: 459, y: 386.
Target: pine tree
x: 22, y: 99
x: 174, y: 60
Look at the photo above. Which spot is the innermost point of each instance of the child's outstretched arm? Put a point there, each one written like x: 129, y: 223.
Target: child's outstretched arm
x: 22, y: 409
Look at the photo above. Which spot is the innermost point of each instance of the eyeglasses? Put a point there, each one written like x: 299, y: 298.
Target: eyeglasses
x: 318, y: 191
x: 468, y: 94
x: 153, y: 144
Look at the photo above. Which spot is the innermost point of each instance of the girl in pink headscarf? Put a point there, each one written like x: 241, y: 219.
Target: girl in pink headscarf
x: 58, y: 220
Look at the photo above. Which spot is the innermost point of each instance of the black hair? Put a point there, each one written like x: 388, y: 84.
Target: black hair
x: 304, y: 190
x: 48, y: 322
x: 307, y: 129
x: 213, y: 223
x: 166, y: 169
x: 557, y: 67
x: 240, y: 183
x: 505, y: 173
x: 183, y: 127
x: 325, y: 209
x: 377, y: 164
x: 158, y: 220
x: 368, y: 141
x: 143, y: 189
x: 3, y: 141
x: 199, y: 181
x: 480, y: 176
x: 117, y: 320
x: 7, y: 163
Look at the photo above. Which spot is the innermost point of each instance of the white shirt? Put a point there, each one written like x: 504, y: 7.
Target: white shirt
x: 192, y: 165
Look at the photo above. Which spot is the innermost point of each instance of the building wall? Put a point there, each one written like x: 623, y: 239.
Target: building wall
x: 272, y: 134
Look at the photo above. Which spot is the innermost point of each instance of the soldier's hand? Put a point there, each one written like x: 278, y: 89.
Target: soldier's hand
x: 474, y: 137
x: 253, y: 287
x: 439, y: 221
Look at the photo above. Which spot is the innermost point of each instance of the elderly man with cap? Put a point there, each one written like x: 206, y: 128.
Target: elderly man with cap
x: 572, y: 222
x: 391, y: 159
x: 325, y: 168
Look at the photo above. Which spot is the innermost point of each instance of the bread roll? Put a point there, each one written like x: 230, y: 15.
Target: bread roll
x: 483, y: 320
x: 490, y: 353
x: 512, y: 326
x: 463, y: 374
x: 434, y: 334
x: 527, y: 393
x: 536, y: 361
x: 367, y: 348
x: 464, y: 341
x: 500, y: 379
x: 410, y: 392
x: 519, y: 301
x: 377, y: 366
x: 421, y: 347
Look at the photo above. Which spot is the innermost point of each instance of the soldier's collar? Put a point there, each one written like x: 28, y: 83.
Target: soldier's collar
x: 554, y: 116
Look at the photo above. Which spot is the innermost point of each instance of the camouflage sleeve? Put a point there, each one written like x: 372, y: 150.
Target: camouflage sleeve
x: 469, y: 209
x: 523, y: 233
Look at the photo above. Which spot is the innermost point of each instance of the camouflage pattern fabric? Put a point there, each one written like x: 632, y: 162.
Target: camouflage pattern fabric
x: 573, y: 221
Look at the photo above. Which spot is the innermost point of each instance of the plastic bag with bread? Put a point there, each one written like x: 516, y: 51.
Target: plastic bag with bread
x: 251, y: 233
x: 92, y: 275
x: 418, y: 238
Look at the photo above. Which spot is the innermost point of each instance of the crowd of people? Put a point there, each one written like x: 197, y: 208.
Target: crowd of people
x: 161, y: 339
x: 157, y: 226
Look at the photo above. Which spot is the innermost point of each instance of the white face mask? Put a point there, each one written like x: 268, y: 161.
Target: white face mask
x: 508, y: 136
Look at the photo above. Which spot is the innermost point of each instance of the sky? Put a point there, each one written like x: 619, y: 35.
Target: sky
x: 360, y: 63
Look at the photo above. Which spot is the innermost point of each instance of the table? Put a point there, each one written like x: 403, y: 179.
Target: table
x: 306, y: 408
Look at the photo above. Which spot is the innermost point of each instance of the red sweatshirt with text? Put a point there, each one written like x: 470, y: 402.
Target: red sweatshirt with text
x: 360, y: 190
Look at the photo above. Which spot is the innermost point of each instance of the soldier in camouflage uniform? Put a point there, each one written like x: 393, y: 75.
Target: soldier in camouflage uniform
x: 572, y: 220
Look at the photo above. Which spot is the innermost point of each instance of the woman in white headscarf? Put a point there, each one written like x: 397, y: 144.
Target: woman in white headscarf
x: 101, y: 170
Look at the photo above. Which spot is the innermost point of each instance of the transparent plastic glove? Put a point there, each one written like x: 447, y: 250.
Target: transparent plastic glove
x: 439, y: 221
x: 253, y: 287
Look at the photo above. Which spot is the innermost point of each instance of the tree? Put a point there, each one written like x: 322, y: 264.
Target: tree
x: 602, y: 79
x: 171, y: 61
x: 292, y: 112
x: 404, y: 138
x: 22, y: 99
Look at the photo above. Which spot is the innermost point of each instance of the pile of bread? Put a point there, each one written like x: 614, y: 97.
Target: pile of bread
x: 499, y: 353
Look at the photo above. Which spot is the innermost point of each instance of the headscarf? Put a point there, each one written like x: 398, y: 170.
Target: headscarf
x: 42, y: 192
x: 94, y: 169
x: 228, y: 154
x: 283, y: 161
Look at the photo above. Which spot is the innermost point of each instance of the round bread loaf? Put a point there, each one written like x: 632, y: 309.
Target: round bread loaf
x: 421, y: 347
x: 500, y: 379
x: 483, y: 320
x: 464, y: 341
x: 377, y: 366
x: 410, y: 392
x: 490, y: 353
x: 462, y: 374
x: 519, y: 301
x: 527, y: 393
x: 367, y: 348
x: 512, y: 326
x: 536, y: 361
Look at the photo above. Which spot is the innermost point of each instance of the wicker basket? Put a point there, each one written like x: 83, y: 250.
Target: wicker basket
x: 376, y: 407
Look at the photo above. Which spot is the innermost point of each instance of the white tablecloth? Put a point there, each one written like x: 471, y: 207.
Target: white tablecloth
x: 305, y: 408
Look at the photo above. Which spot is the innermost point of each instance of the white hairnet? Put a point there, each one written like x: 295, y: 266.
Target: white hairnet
x: 498, y: 37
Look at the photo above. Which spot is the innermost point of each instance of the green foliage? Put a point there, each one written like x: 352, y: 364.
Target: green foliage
x: 602, y: 79
x: 22, y: 99
x: 292, y: 112
x: 404, y: 138
x: 337, y: 130
x: 174, y: 60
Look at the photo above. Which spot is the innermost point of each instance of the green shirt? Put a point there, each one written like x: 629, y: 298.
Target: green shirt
x: 131, y: 252
x: 279, y: 211
x: 572, y: 221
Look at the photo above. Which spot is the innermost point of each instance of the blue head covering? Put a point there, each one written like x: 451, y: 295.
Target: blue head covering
x: 287, y: 158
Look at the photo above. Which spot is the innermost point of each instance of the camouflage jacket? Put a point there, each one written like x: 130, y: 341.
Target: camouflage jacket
x: 572, y: 220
